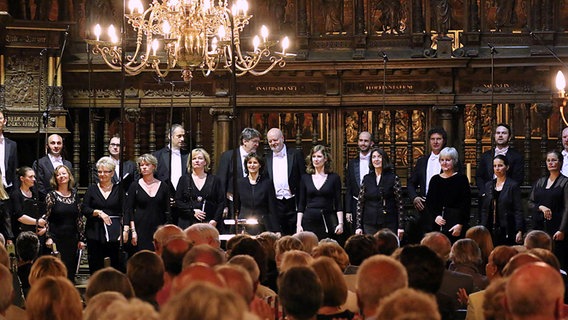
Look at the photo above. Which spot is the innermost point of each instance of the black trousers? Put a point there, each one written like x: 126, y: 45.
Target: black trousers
x: 98, y: 251
x: 286, y: 215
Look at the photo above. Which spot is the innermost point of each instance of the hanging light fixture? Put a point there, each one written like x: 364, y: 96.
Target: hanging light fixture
x: 192, y: 34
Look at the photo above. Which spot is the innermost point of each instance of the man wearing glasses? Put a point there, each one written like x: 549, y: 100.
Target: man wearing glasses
x: 129, y: 172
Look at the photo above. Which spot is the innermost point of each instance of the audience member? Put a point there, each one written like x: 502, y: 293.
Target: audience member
x: 6, y: 295
x: 309, y: 240
x: 172, y: 256
x: 108, y: 279
x: 27, y: 250
x: 145, y: 270
x: 196, y: 273
x: 300, y: 293
x: 204, y: 301
x: 251, y: 247
x: 133, y: 309
x: 205, y: 254
x: 482, y: 237
x: 203, y: 233
x: 238, y: 280
x: 165, y: 234
x: 286, y: 243
x: 250, y: 265
x: 409, y: 304
x: 295, y: 258
x: 387, y: 241
x: 377, y: 277
x: 538, y: 239
x: 46, y: 266
x: 517, y: 261
x: 493, y: 308
x: 334, y: 290
x: 465, y: 257
x: 54, y: 298
x: 334, y: 251
x: 535, y: 291
x: 268, y: 241
x: 358, y: 248
x: 99, y: 304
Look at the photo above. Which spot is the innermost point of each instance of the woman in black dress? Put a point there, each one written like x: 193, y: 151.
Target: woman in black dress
x: 380, y: 202
x: 199, y: 194
x: 256, y: 195
x: 102, y: 206
x: 24, y: 206
x: 320, y: 208
x: 147, y: 205
x: 548, y: 203
x: 64, y: 218
x: 448, y: 202
x: 501, y: 210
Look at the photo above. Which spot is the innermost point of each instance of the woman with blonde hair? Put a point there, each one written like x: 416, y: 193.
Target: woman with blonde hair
x: 199, y: 194
x: 54, y: 298
x: 482, y: 237
x: 65, y: 224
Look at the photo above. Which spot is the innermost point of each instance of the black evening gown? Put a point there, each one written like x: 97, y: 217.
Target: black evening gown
x: 210, y: 198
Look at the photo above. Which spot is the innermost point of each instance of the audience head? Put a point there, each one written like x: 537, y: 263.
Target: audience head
x: 286, y: 243
x: 319, y: 150
x: 377, y: 277
x: 4, y: 257
x: 251, y: 247
x: 300, y: 293
x: 234, y: 240
x: 482, y: 237
x: 108, y: 279
x: 409, y: 304
x: 334, y: 251
x: 309, y: 240
x: 519, y: 260
x: 466, y: 251
x: 268, y: 241
x: 6, y: 289
x: 54, y: 298
x: 425, y: 269
x: 46, y: 266
x: 133, y: 309
x: 360, y: 247
x: 387, y: 241
x: 535, y: 290
x: 493, y: 308
x: 204, y: 301
x: 145, y: 270
x: 197, y: 272
x: 538, y: 239
x: 99, y: 304
x: 295, y: 258
x: 27, y: 246
x: 332, y: 281
x: 203, y: 233
x: 547, y: 257
x: 238, y: 280
x: 164, y: 234
x: 172, y: 255
x: 497, y: 261
x: 439, y: 243
x: 205, y: 254
x: 248, y: 263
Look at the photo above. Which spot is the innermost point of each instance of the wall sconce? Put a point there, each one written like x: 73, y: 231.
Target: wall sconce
x: 560, y: 97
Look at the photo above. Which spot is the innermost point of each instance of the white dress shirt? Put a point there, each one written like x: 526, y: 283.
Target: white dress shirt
x: 2, y: 160
x: 55, y: 161
x: 176, y: 167
x: 363, y: 166
x: 564, y: 170
x: 433, y: 168
x: 280, y: 174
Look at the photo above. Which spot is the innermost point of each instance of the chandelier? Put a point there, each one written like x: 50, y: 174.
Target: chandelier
x: 192, y: 34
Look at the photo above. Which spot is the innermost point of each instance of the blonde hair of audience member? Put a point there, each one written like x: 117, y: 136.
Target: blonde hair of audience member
x: 203, y: 253
x: 439, y: 243
x: 286, y: 243
x: 482, y: 237
x: 493, y: 308
x: 109, y: 279
x: 203, y: 233
x: 133, y: 309
x: 377, y: 277
x: 334, y: 251
x: 54, y: 298
x: 6, y: 289
x: 309, y: 240
x: 535, y: 291
x: 238, y: 280
x: 164, y: 234
x: 295, y: 258
x: 204, y: 301
x: 465, y: 251
x: 248, y: 263
x: 197, y: 272
x: 46, y: 266
x: 409, y: 304
x: 332, y: 282
x: 100, y: 303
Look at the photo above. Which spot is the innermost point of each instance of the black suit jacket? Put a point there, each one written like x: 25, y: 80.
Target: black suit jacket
x: 484, y: 172
x: 353, y: 185
x: 509, y: 207
x: 44, y: 171
x: 225, y: 168
x: 163, y: 171
x: 296, y: 167
x: 11, y: 161
x: 417, y: 183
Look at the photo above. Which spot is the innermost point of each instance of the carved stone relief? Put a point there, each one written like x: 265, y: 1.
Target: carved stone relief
x: 23, y: 77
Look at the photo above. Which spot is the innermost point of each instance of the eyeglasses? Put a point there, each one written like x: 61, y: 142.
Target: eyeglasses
x: 116, y: 145
x: 104, y: 172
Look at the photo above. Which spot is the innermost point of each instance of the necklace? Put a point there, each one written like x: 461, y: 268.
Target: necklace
x: 105, y: 188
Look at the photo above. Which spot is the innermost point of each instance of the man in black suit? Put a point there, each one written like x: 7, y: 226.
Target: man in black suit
x: 8, y: 157
x: 285, y: 167
x: 129, y: 170
x: 484, y: 170
x: 426, y: 167
x: 356, y: 169
x: 250, y: 139
x: 45, y: 166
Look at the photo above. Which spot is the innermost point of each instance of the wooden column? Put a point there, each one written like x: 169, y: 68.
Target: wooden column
x: 77, y: 147
x: 221, y: 131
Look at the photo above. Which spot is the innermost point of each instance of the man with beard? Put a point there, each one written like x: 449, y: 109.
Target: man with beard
x: 356, y: 169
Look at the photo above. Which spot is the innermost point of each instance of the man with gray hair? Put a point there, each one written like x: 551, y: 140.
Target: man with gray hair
x: 165, y: 234
x: 203, y: 233
x: 378, y: 277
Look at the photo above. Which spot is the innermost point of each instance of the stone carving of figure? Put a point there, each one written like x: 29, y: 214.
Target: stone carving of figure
x: 505, y: 15
x: 443, y: 16
x: 332, y: 15
x: 391, y: 15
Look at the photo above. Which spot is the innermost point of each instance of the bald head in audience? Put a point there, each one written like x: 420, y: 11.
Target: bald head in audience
x: 197, y: 272
x: 439, y: 243
x: 203, y: 233
x: 377, y: 277
x: 164, y: 234
x: 518, y: 261
x: 535, y: 291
